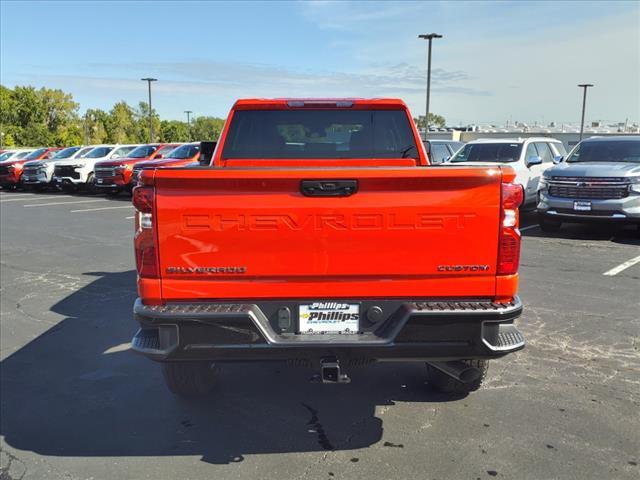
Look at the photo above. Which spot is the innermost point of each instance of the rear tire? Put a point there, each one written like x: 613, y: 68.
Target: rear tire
x: 443, y: 383
x: 189, y: 379
x: 548, y: 225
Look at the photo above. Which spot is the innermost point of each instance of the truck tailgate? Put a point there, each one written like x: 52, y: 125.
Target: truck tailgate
x: 240, y: 233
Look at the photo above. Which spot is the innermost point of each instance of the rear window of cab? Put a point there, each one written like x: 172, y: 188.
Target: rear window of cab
x: 319, y: 134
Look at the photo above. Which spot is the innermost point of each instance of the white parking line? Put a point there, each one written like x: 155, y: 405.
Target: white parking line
x: 102, y: 208
x: 622, y: 267
x: 524, y: 229
x: 5, y: 194
x: 63, y: 203
x: 34, y: 198
x: 129, y: 218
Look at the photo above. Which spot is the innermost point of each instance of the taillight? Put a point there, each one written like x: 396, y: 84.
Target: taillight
x: 145, y: 237
x: 509, y: 246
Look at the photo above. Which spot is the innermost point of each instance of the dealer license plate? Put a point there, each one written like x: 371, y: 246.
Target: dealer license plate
x: 582, y: 206
x: 329, y: 317
x: 99, y: 180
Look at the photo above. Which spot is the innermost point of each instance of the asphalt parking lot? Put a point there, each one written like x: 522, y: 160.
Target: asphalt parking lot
x: 76, y: 404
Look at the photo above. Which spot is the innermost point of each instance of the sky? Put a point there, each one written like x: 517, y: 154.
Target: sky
x: 496, y: 62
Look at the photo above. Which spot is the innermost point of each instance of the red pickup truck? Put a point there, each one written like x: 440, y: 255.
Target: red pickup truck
x: 320, y: 236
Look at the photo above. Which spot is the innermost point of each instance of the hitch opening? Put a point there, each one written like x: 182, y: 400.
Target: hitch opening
x: 330, y: 371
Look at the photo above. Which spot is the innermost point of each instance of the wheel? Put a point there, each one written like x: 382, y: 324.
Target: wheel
x: 188, y: 379
x: 90, y: 186
x: 548, y: 225
x: 442, y: 382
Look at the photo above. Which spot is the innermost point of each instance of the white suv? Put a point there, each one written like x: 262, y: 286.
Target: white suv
x: 39, y: 173
x: 529, y: 157
x: 79, y: 172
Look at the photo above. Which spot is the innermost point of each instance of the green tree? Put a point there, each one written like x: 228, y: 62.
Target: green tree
x: 61, y: 116
x: 95, y: 127
x: 174, y: 131
x: 7, y: 107
x: 206, y: 128
x: 37, y: 117
x: 142, y: 123
x: 122, y: 125
x: 434, y: 120
x: 7, y: 140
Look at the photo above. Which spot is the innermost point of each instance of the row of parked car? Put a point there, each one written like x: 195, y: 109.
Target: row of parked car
x: 598, y: 180
x: 93, y: 168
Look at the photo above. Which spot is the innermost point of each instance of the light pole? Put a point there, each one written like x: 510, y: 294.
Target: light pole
x: 584, y: 86
x: 189, y: 112
x: 429, y: 37
x: 149, y: 80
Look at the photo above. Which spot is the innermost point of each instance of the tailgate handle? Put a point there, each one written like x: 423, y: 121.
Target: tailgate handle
x: 328, y: 188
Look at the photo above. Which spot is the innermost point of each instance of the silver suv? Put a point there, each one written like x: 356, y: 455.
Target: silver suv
x: 599, y: 180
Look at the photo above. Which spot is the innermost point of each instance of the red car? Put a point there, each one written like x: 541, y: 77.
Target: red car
x: 180, y: 157
x: 114, y: 176
x: 11, y: 171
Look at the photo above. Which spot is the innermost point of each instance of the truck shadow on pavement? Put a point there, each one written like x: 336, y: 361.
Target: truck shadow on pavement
x: 77, y: 390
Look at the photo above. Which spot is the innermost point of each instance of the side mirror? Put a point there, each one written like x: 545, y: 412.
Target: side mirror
x: 557, y: 159
x: 534, y: 161
x: 158, y: 157
x: 206, y: 153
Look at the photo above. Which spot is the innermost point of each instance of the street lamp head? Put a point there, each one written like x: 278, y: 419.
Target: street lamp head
x: 585, y: 85
x: 149, y: 79
x: 429, y: 36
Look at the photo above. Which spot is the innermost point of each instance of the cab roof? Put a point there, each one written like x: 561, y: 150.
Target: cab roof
x: 299, y: 103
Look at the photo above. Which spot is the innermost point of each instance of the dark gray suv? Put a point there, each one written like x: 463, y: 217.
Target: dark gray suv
x: 599, y: 180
